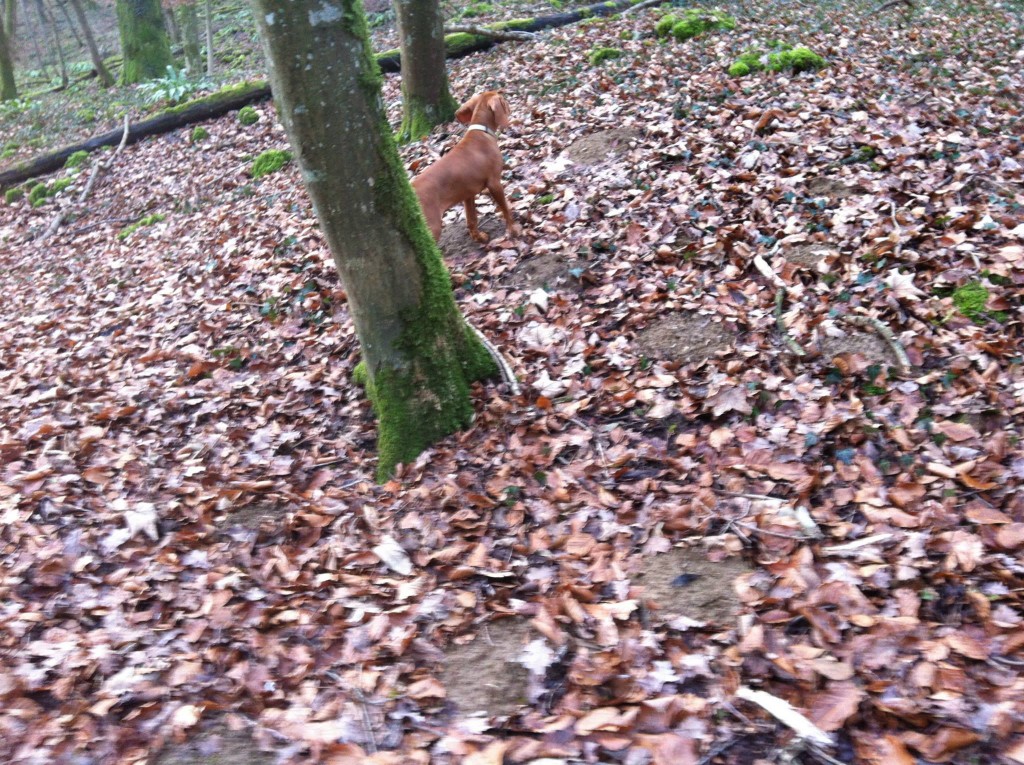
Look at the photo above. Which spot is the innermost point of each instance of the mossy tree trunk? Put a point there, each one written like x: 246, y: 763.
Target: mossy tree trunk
x: 10, y: 18
x: 94, y: 52
x: 188, y: 23
x: 144, y: 43
x: 8, y: 88
x: 419, y: 356
x: 426, y: 100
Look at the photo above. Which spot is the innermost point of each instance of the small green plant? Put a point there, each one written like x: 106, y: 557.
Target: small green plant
x: 13, y: 195
x: 58, y: 186
x: 149, y: 220
x: 692, y: 23
x: 86, y: 115
x: 970, y: 300
x: 8, y: 153
x: 247, y: 115
x: 199, y: 133
x: 795, y: 60
x: 37, y: 194
x: 598, y: 56
x: 77, y: 159
x: 780, y: 57
x: 546, y: 199
x: 477, y: 9
x: 173, y: 88
x: 270, y: 162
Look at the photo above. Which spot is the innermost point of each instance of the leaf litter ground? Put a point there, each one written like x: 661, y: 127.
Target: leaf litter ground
x: 187, y: 508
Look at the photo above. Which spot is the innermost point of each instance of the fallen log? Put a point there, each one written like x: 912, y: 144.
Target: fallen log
x: 211, y: 106
x: 220, y: 103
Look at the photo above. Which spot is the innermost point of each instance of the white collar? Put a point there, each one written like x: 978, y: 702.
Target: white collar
x: 483, y: 128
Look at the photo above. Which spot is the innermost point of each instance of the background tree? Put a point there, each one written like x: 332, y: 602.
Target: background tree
x: 426, y: 100
x: 90, y: 41
x: 188, y: 23
x: 208, y: 8
x: 8, y: 88
x: 419, y: 355
x: 144, y: 43
x: 46, y: 21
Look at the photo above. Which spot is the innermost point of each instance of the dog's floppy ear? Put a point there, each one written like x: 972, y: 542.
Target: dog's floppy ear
x: 499, y: 106
x: 465, y: 112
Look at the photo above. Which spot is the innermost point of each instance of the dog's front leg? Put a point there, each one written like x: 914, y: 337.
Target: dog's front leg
x: 472, y: 219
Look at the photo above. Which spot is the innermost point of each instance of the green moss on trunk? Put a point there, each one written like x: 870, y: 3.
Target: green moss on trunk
x: 147, y: 51
x: 419, y: 118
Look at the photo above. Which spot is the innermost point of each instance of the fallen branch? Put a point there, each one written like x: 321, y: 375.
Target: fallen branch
x: 786, y: 714
x: 99, y: 167
x: 642, y: 5
x: 500, y: 35
x: 902, y: 360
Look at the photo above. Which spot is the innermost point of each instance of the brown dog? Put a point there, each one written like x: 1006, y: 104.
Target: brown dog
x: 473, y: 165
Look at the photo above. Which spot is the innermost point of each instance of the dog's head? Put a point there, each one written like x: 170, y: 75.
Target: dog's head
x: 489, y: 108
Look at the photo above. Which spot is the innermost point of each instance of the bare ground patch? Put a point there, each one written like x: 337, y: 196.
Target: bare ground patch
x: 808, y: 255
x: 595, y: 148
x: 251, y: 516
x: 683, y: 582
x: 483, y: 675
x: 218, y: 746
x: 823, y: 186
x: 685, y: 338
x: 868, y: 344
x: 550, y: 270
x: 457, y: 244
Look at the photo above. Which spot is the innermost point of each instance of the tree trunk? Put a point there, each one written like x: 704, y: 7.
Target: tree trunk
x: 45, y: 21
x: 144, y: 43
x: 10, y: 19
x: 209, y: 38
x: 426, y: 100
x: 8, y: 88
x: 71, y: 25
x: 171, y: 24
x: 419, y: 356
x: 94, y: 52
x: 189, y: 26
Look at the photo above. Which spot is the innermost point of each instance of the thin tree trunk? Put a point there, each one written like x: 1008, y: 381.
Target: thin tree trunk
x: 209, y: 38
x: 189, y: 28
x: 171, y: 25
x: 8, y: 88
x: 33, y: 33
x: 94, y: 52
x: 144, y: 43
x: 47, y: 21
x: 426, y: 99
x: 418, y: 353
x: 71, y: 24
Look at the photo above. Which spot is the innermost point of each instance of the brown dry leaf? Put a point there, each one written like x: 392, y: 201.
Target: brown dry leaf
x: 492, y: 754
x: 834, y: 706
x: 669, y: 748
x: 942, y: 745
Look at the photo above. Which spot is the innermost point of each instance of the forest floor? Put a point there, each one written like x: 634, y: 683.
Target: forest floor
x: 692, y: 539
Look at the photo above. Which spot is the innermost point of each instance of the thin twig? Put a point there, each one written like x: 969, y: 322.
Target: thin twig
x: 902, y: 360
x: 507, y: 375
x: 58, y: 219
x: 780, y: 324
